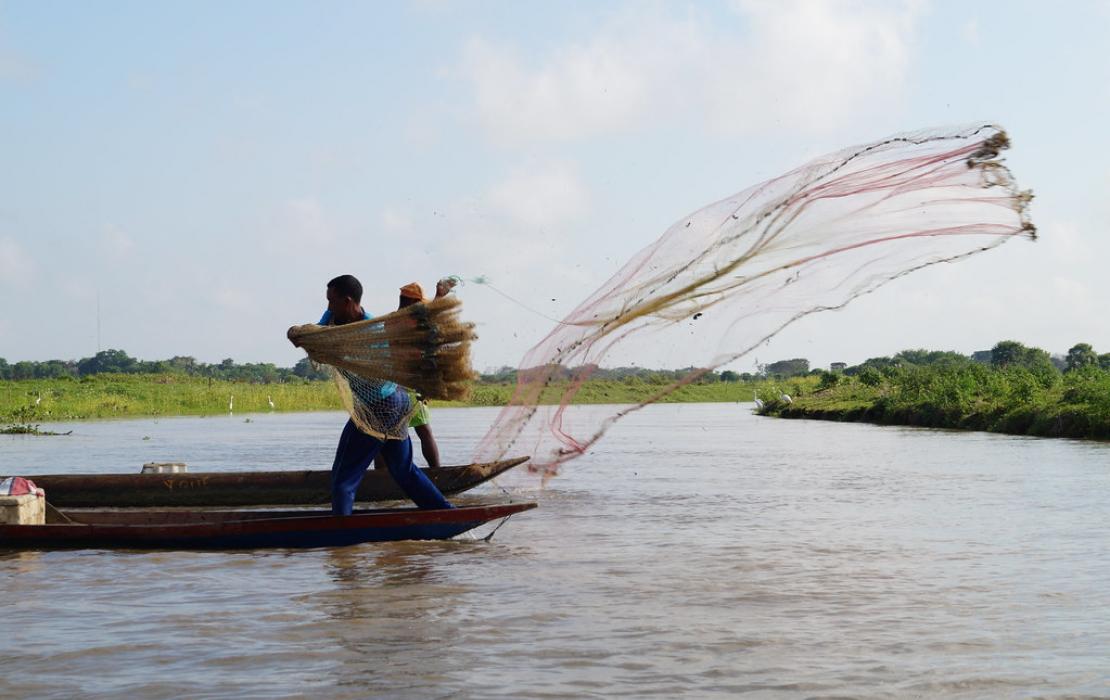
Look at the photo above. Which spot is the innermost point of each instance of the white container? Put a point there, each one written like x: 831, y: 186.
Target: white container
x: 164, y: 468
x: 28, y: 509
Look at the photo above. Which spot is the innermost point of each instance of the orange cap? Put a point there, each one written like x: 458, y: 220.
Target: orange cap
x: 412, y: 291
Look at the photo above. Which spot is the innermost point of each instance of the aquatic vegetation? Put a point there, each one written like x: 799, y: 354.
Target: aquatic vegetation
x: 967, y: 395
x: 28, y: 429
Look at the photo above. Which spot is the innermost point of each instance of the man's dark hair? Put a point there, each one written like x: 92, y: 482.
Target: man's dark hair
x: 348, y: 286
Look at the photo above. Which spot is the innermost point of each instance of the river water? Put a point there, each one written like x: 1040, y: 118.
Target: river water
x: 698, y: 551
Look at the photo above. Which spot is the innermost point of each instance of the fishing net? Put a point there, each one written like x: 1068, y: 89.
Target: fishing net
x: 727, y: 278
x: 424, y: 348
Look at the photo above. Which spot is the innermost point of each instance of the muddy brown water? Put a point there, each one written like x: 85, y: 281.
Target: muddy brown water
x: 698, y: 551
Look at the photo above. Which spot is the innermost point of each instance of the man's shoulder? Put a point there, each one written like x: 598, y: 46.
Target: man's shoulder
x: 326, y: 318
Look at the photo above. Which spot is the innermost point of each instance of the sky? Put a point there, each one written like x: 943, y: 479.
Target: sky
x: 182, y: 178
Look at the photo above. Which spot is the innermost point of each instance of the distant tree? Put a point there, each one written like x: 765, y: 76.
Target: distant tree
x: 870, y: 376
x: 1010, y: 353
x: 1007, y: 352
x: 729, y: 376
x: 709, y: 377
x: 919, y: 356
x: 502, y: 375
x: 52, y: 369
x: 586, y: 371
x: 923, y: 357
x: 183, y: 363
x: 5, y: 369
x: 983, y: 357
x: 306, y: 370
x: 1103, y: 361
x: 788, y: 368
x: 107, y: 361
x: 878, y: 363
x: 1081, y: 355
x: 829, y: 379
x: 23, y: 370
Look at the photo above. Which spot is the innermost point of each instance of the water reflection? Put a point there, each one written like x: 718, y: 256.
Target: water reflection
x: 21, y: 563
x: 391, y: 612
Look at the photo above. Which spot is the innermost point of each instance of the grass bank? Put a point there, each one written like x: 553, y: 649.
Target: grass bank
x: 964, y: 397
x: 31, y: 401
x: 130, y: 395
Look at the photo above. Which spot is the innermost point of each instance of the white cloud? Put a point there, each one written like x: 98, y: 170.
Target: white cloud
x: 396, y: 221
x: 810, y: 65
x: 300, y: 223
x: 800, y: 64
x: 970, y: 32
x: 16, y: 266
x: 77, y: 289
x: 306, y: 219
x: 539, y: 198
x: 581, y: 90
x: 116, y: 242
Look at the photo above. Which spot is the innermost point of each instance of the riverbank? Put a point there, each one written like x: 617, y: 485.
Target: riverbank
x: 32, y: 401
x: 964, y: 398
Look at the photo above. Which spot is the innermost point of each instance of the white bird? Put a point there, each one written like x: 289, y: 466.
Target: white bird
x: 231, y: 404
x: 786, y: 398
x: 38, y: 400
x: 271, y: 402
x: 758, y: 403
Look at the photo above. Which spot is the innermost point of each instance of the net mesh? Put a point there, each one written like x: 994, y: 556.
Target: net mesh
x: 727, y: 278
x: 424, y: 348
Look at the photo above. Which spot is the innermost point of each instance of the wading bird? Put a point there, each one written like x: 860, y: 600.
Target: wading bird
x: 271, y: 402
x: 758, y: 403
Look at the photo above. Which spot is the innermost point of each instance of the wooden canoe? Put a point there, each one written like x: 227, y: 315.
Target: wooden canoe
x: 230, y: 489
x: 245, y: 529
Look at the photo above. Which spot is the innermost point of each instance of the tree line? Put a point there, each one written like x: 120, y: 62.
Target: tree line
x: 119, y: 362
x: 1003, y: 354
x: 1006, y: 353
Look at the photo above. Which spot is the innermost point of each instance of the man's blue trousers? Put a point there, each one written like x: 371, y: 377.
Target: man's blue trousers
x: 354, y: 456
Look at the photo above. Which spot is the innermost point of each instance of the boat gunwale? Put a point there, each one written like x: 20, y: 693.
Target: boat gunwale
x: 365, y: 526
x: 246, y: 488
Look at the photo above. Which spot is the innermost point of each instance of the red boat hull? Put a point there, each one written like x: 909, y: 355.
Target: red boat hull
x: 247, y: 529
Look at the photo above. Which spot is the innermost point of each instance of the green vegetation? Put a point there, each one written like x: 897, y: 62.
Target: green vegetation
x: 1013, y: 389
x: 119, y: 362
x: 113, y: 384
x: 120, y: 395
x: 1010, y: 388
x: 627, y: 391
x: 131, y: 395
x: 27, y: 429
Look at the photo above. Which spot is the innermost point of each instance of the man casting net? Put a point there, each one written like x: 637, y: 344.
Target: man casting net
x: 424, y: 347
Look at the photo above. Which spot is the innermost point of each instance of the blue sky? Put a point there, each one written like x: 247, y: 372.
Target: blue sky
x: 203, y: 168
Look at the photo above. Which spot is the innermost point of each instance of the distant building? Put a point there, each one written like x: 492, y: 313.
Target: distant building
x: 838, y: 366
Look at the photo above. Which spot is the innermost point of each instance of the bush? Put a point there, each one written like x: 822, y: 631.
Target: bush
x: 869, y: 376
